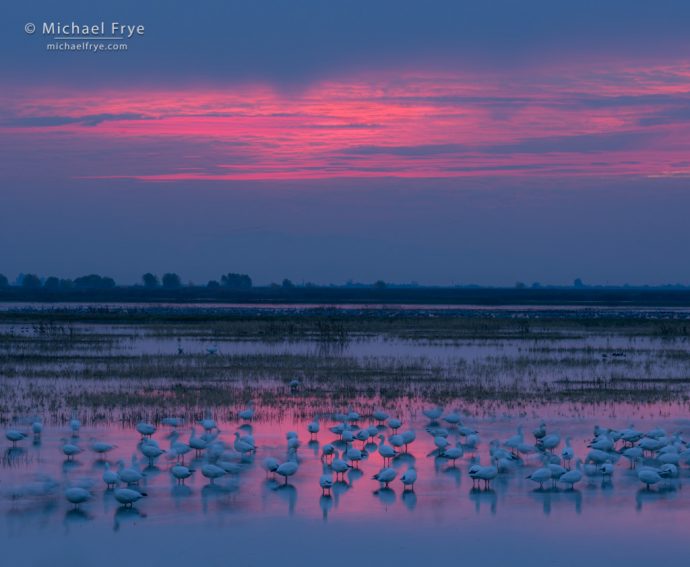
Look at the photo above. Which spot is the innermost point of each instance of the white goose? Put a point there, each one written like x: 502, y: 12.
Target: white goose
x: 408, y: 478
x: 386, y: 451
x: 572, y: 477
x: 326, y: 483
x: 127, y: 496
x: 313, y: 428
x: 77, y: 495
x: 181, y: 473
x: 110, y: 477
x: 287, y: 469
x: 15, y: 436
x: 385, y: 476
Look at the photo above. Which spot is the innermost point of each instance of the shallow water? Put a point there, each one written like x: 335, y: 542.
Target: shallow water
x: 249, y: 506
x: 112, y: 376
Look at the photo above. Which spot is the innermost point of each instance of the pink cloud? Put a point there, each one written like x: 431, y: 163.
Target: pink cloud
x: 574, y: 122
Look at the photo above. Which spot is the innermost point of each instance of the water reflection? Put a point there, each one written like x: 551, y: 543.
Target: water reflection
x: 125, y: 515
x: 483, y: 498
x: 247, y: 489
x: 325, y: 503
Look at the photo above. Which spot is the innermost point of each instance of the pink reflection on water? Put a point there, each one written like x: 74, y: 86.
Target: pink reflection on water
x: 443, y: 494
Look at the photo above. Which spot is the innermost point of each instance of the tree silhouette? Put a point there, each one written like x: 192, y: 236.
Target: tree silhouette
x: 94, y: 281
x: 150, y: 280
x: 171, y: 281
x: 236, y: 281
x: 31, y: 281
x: 4, y: 282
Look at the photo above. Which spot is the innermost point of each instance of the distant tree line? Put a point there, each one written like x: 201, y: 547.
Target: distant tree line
x: 32, y: 281
x: 168, y: 280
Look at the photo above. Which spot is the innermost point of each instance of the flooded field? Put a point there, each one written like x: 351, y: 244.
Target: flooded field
x: 485, y: 405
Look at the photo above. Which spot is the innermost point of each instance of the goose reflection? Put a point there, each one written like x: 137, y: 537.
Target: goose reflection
x: 355, y: 474
x: 662, y: 494
x: 13, y: 454
x: 551, y: 497
x: 70, y: 465
x: 454, y: 473
x: 406, y: 459
x: 385, y: 495
x: 326, y: 504
x: 409, y: 498
x: 288, y: 493
x: 126, y: 515
x: 338, y: 490
x: 543, y: 496
x: 484, y: 497
x: 77, y: 516
x: 180, y: 492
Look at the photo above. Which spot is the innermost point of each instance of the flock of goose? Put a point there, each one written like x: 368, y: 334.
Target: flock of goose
x: 550, y: 459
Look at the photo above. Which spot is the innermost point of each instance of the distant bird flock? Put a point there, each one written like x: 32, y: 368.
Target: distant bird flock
x: 543, y: 456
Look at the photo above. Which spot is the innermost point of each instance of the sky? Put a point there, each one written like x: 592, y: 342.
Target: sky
x: 448, y: 142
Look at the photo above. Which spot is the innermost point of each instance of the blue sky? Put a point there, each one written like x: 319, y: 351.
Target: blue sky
x: 442, y: 142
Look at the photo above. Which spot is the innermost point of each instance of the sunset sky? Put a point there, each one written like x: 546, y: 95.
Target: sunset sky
x: 443, y: 142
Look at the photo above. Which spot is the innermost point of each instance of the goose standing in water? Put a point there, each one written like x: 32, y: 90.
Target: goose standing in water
x: 75, y: 425
x: 551, y: 442
x: 408, y: 478
x: 380, y: 416
x: 394, y: 423
x: 15, y: 436
x: 540, y: 432
x: 486, y: 473
x: 208, y: 423
x: 212, y: 472
x: 453, y: 453
x: 572, y: 477
x: 242, y: 446
x: 633, y: 454
x: 181, y: 473
x: 178, y: 450
x: 339, y: 467
x: 127, y: 496
x: 453, y: 418
x: 287, y: 469
x: 354, y: 455
x: 70, y: 450
x: 110, y: 477
x: 101, y: 447
x: 197, y: 443
x: 408, y: 438
x: 313, y: 428
x: 327, y: 452
x: 248, y: 413
x: 649, y: 476
x: 326, y: 483
x: 151, y: 450
x: 37, y: 428
x: 441, y: 443
x: 433, y: 413
x: 541, y: 475
x: 130, y: 475
x: 386, y: 451
x: 385, y: 476
x: 271, y: 465
x: 145, y: 429
x: 77, y: 495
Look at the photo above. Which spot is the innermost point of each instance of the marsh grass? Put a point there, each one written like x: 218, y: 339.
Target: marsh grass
x: 105, y: 364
